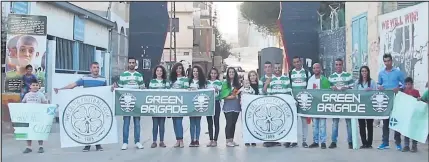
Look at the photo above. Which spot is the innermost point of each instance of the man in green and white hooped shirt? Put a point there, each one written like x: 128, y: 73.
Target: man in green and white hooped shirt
x: 340, y: 80
x: 271, y: 84
x: 299, y: 79
x: 131, y: 79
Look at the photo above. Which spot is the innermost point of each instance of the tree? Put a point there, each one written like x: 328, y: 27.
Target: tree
x: 222, y: 48
x: 262, y: 14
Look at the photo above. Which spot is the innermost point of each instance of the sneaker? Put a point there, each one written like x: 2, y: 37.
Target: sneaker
x: 277, y: 144
x: 383, y: 146
x: 162, y: 144
x: 139, y: 145
x: 369, y: 147
x: 323, y: 146
x: 230, y: 144
x: 86, y: 148
x: 214, y: 144
x: 192, y: 144
x: 413, y: 149
x: 177, y: 144
x: 350, y: 145
x: 197, y: 143
x: 304, y: 144
x: 181, y: 144
x: 314, y: 145
x: 333, y: 145
x: 235, y: 144
x: 406, y: 149
x: 287, y: 144
x: 27, y: 150
x: 294, y: 145
x: 363, y: 147
x: 247, y: 144
x: 253, y: 144
x: 153, y: 145
x: 399, y: 147
x: 98, y: 148
x: 124, y: 146
x: 41, y: 150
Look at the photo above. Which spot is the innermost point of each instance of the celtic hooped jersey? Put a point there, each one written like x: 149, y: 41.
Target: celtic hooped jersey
x: 344, y: 79
x: 261, y: 83
x: 213, y: 84
x: 299, y: 79
x: 279, y: 85
x: 180, y: 83
x: 132, y: 80
x: 159, y: 84
x: 194, y: 84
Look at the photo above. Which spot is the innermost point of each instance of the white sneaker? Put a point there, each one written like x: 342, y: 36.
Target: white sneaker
x: 124, y: 146
x: 139, y: 145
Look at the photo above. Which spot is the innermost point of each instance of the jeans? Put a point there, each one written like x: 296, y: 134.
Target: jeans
x: 195, y: 127
x: 231, y: 120
x: 407, y: 142
x: 214, y: 119
x: 304, y: 129
x: 319, y: 130
x: 126, y: 129
x: 385, y: 135
x: 364, y: 125
x: 158, y: 122
x: 178, y: 127
x: 335, y: 122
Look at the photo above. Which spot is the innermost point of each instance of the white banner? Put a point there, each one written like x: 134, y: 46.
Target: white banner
x: 32, y: 121
x: 269, y: 118
x: 86, y: 116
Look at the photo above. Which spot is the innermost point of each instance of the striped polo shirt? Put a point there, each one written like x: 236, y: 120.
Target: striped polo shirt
x: 91, y: 81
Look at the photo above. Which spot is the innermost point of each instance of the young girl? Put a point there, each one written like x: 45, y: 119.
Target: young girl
x: 159, y: 81
x: 214, y: 83
x: 178, y: 81
x: 196, y: 81
x: 231, y: 106
x: 247, y: 88
x: 256, y: 86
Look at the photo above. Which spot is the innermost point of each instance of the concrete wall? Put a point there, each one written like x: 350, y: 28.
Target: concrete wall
x: 373, y: 9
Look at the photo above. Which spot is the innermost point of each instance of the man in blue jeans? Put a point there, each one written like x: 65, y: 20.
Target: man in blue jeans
x: 390, y: 79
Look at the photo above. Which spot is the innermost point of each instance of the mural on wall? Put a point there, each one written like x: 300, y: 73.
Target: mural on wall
x: 332, y: 45
x: 359, y: 43
x: 404, y: 34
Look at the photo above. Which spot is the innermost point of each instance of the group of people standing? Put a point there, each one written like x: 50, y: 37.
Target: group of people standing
x: 229, y: 91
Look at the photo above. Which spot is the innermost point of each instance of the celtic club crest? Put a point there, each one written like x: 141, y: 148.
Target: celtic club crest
x: 127, y: 102
x: 87, y: 119
x: 201, y: 102
x: 304, y: 100
x: 379, y: 101
x: 269, y: 118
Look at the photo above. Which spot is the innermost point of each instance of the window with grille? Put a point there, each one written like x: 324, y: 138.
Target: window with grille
x: 64, y: 54
x: 86, y: 56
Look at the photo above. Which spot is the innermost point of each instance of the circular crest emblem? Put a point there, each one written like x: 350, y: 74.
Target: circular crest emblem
x: 127, y: 102
x: 87, y: 119
x: 380, y: 101
x: 269, y: 118
x: 201, y: 102
x: 304, y: 100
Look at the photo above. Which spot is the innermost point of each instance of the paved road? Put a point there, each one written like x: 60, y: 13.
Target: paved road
x: 12, y: 150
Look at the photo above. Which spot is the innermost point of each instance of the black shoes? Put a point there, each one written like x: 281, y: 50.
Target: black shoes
x: 333, y: 145
x: 97, y: 148
x: 350, y: 145
x: 304, y: 144
x: 314, y: 145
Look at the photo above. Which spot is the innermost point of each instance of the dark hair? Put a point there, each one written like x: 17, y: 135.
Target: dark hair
x: 164, y: 73
x: 34, y: 81
x: 252, y: 71
x: 339, y: 59
x: 209, y: 76
x: 361, y: 77
x: 296, y: 57
x: 409, y: 80
x: 267, y: 62
x: 131, y: 58
x: 235, y: 81
x: 94, y: 63
x: 173, y: 74
x: 278, y: 63
x: 387, y: 55
x: 201, y: 79
x: 28, y: 66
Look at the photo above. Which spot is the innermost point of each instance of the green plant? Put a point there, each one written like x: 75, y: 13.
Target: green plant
x: 262, y: 14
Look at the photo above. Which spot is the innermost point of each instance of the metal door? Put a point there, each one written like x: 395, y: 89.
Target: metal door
x: 359, y: 43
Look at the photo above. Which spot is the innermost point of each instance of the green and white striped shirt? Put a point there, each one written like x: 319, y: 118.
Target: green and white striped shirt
x: 158, y: 84
x: 299, y: 78
x: 180, y: 83
x: 343, y: 79
x: 279, y: 85
x: 132, y: 80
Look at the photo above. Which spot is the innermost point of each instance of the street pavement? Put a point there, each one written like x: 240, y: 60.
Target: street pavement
x: 12, y: 150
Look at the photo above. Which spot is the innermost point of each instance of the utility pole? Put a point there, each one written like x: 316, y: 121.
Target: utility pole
x: 211, y: 24
x: 172, y: 31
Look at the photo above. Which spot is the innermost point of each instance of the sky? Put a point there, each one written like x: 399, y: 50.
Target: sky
x: 227, y: 18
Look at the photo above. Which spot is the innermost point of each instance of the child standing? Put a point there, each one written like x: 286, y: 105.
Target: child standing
x: 34, y: 96
x: 409, y: 89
